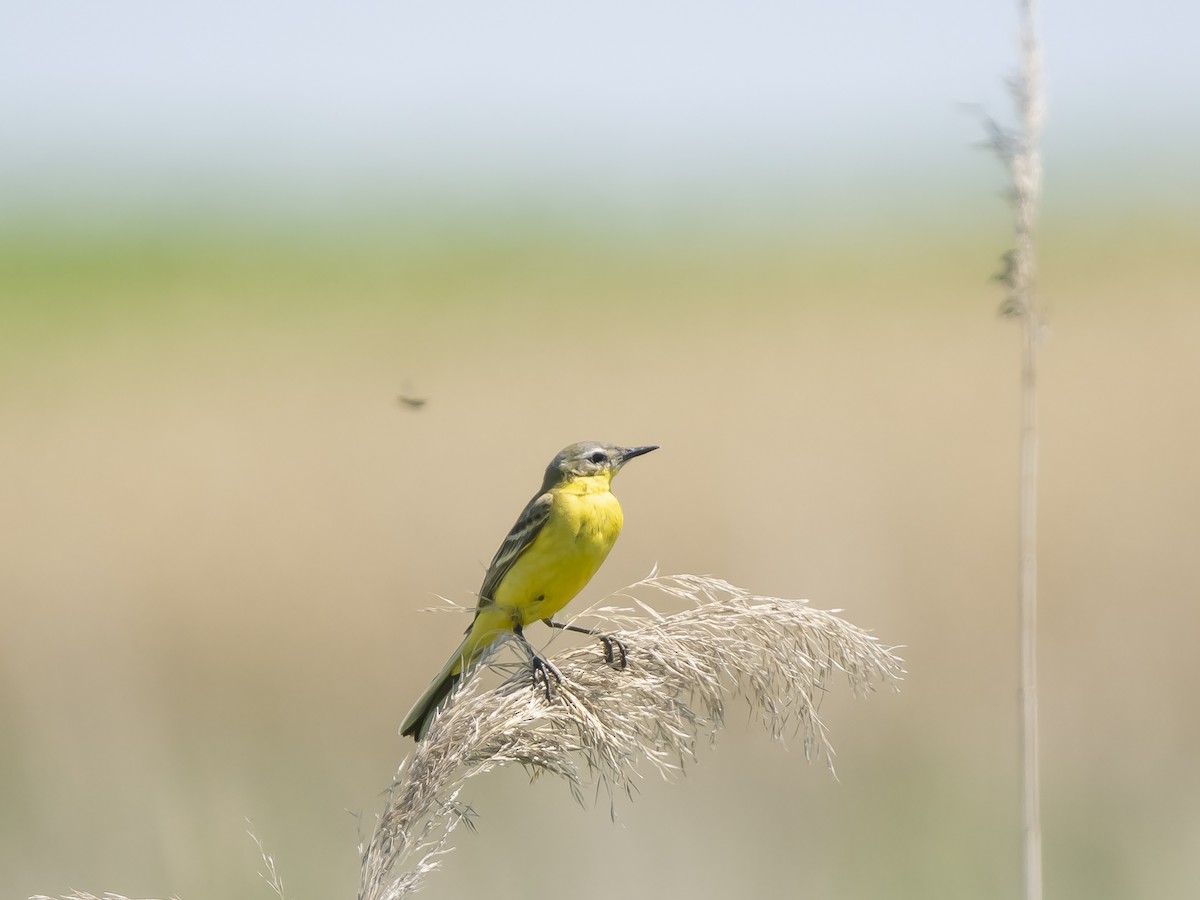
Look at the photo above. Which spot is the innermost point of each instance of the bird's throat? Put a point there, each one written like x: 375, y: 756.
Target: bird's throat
x: 590, y: 484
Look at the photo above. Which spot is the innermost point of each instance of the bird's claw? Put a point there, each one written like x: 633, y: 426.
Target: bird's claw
x: 543, y: 671
x: 611, y: 648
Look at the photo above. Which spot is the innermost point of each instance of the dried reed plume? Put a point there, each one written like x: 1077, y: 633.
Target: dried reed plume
x: 603, y: 723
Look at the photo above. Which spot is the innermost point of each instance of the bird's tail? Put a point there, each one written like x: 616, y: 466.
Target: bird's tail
x: 416, y: 723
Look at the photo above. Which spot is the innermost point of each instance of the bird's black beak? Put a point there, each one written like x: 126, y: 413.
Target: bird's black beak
x: 628, y: 453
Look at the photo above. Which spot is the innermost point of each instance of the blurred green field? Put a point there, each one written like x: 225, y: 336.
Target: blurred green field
x: 218, y: 526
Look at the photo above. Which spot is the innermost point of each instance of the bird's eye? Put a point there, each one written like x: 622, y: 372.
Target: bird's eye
x: 597, y: 457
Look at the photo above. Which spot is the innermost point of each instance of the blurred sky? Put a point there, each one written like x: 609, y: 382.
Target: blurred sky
x: 316, y: 101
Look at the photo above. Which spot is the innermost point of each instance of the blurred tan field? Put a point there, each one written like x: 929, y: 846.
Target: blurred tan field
x: 218, y: 527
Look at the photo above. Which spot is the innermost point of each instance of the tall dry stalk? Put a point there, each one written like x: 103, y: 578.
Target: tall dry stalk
x: 1020, y: 150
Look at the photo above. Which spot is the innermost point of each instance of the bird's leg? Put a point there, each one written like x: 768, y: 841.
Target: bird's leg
x: 543, y: 671
x: 611, y: 645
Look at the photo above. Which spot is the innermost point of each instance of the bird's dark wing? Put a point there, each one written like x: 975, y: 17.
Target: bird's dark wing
x: 529, y: 525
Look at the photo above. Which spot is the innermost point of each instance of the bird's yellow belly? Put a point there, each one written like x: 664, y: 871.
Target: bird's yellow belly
x: 562, y: 559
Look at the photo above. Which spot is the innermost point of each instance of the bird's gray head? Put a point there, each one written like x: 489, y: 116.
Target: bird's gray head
x: 589, y: 458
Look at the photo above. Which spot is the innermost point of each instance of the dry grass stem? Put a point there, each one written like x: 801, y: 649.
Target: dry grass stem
x: 606, y: 726
x: 1019, y: 148
x: 271, y: 876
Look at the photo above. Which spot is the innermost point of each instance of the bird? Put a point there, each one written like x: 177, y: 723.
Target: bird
x: 557, y: 544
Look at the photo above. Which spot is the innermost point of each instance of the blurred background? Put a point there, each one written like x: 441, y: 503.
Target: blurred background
x: 760, y: 235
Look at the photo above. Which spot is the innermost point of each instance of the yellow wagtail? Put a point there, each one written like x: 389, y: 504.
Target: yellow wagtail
x: 559, y: 541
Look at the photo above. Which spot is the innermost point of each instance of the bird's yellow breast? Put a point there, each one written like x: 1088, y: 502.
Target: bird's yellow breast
x: 582, y: 527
